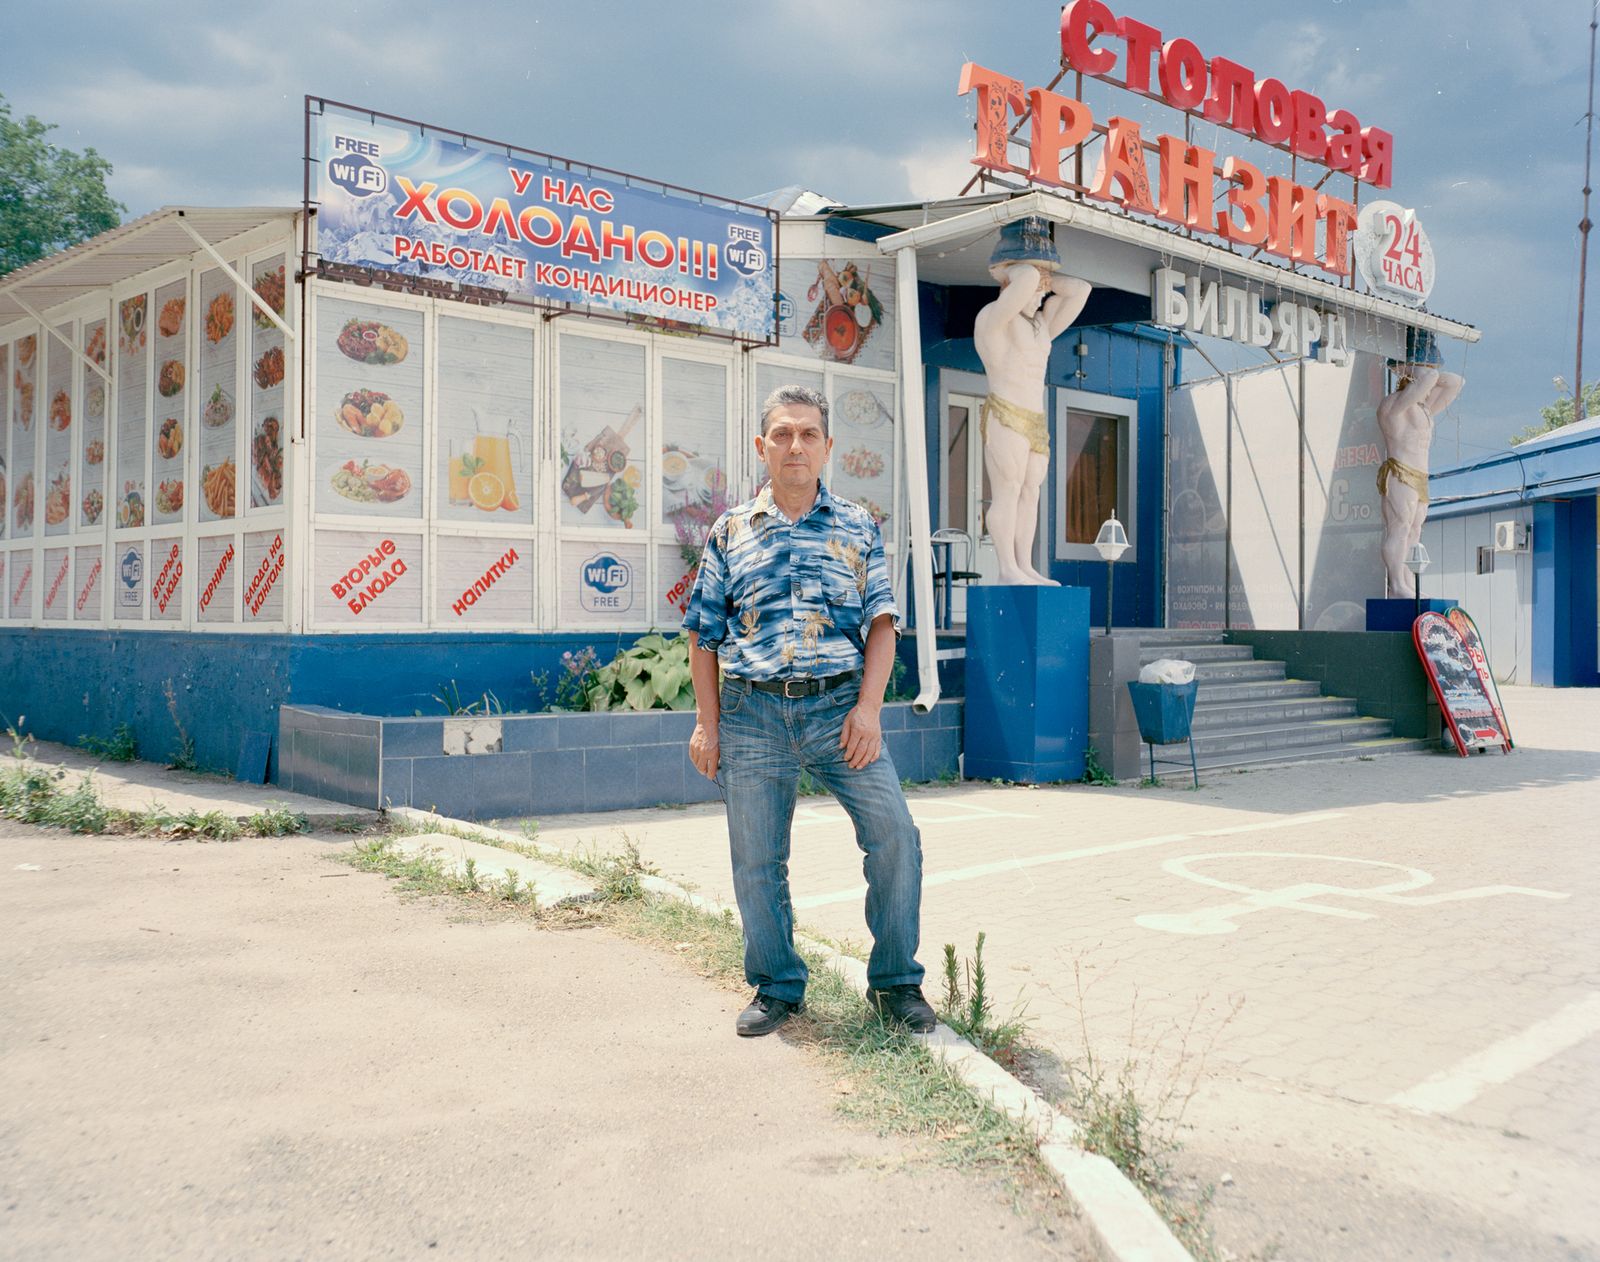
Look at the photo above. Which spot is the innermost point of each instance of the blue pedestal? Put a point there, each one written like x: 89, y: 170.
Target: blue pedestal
x: 1027, y: 710
x: 1398, y: 614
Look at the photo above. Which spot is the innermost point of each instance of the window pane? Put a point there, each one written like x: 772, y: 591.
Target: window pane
x: 955, y: 456
x: 1091, y: 461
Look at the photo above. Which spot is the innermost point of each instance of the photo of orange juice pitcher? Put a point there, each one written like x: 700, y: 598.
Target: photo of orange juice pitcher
x: 491, y: 470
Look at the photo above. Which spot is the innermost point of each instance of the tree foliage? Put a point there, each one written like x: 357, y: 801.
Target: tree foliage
x: 50, y: 197
x: 1559, y: 413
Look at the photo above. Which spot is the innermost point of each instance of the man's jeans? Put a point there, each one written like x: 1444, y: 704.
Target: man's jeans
x: 766, y: 741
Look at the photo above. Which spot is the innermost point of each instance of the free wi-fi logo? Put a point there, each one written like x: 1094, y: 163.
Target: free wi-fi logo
x: 352, y: 168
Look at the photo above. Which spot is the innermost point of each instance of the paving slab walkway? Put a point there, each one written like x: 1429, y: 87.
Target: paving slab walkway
x: 244, y: 1050
x: 1392, y: 967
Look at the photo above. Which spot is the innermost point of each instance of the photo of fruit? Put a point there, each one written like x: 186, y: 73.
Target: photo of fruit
x: 370, y: 414
x: 368, y: 342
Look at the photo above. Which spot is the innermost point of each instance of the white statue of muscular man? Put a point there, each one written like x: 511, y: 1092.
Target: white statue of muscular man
x: 1406, y: 419
x: 1013, y: 336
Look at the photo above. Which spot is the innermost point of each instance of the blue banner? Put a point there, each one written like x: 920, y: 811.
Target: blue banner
x: 396, y: 197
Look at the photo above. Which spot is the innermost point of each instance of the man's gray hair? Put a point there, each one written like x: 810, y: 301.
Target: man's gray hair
x: 799, y: 396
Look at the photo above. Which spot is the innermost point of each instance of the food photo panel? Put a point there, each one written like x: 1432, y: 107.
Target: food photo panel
x: 171, y: 419
x: 485, y: 425
x: 369, y: 409
x: 219, y: 390
x: 265, y: 386
x: 602, y: 433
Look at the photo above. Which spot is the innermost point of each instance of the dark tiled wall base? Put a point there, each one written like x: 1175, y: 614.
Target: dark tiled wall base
x: 550, y: 764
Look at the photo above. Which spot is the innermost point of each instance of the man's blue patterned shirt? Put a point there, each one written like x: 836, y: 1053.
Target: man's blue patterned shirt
x: 790, y: 600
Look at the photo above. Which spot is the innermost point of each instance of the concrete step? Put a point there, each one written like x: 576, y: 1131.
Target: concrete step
x: 1236, y: 672
x: 1169, y: 636
x: 1196, y: 653
x: 1287, y: 739
x: 1241, y: 716
x: 1220, y: 692
x: 1342, y: 751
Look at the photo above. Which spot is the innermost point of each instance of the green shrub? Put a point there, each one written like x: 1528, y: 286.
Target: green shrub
x: 652, y: 675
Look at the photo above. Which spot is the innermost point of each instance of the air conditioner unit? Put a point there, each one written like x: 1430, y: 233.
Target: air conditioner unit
x: 1510, y: 536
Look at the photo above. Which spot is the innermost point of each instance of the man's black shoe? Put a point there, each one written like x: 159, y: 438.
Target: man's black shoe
x: 904, y: 1005
x: 765, y: 1014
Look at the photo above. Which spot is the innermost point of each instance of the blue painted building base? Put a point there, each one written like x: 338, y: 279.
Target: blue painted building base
x: 1027, y: 705
x: 1398, y: 614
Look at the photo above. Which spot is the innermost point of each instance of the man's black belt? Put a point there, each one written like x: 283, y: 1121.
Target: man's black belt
x: 792, y: 688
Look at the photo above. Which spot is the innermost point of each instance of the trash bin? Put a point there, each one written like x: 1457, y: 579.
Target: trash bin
x: 1165, y: 713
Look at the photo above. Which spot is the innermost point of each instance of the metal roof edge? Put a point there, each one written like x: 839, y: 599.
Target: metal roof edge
x: 1092, y: 219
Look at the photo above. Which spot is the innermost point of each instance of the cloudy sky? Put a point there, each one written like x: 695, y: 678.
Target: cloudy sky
x: 201, y: 103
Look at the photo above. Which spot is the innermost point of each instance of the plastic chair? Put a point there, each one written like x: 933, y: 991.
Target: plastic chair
x: 1165, y: 713
x: 948, y: 536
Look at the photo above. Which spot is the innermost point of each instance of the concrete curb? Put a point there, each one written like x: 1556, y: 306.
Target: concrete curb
x: 1123, y: 1225
x: 552, y: 884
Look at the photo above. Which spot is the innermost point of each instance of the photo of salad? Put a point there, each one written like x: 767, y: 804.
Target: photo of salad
x: 130, y: 513
x: 621, y: 501
x: 93, y: 505
x: 862, y: 462
x: 368, y: 342
x: 169, y: 381
x: 169, y: 496
x: 369, y: 483
x: 270, y: 286
x: 370, y: 414
x: 218, y: 410
x: 169, y: 442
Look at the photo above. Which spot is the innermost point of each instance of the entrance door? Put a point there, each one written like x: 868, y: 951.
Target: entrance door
x: 966, y: 493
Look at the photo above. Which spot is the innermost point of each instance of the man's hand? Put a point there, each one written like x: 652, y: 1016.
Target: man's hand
x: 862, y: 738
x: 705, y: 749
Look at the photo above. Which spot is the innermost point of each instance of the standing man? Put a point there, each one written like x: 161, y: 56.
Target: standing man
x: 1013, y: 336
x: 793, y: 599
x: 1406, y: 419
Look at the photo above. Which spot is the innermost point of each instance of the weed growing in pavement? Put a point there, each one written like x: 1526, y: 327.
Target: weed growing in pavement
x: 183, y: 758
x: 279, y: 821
x: 120, y: 746
x: 966, y: 1008
x: 20, y: 740
x: 1133, y: 1120
x: 621, y: 876
x: 449, y: 696
x: 469, y: 876
x: 1093, y: 772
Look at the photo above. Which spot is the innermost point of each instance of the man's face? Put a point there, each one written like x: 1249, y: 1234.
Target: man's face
x: 794, y: 447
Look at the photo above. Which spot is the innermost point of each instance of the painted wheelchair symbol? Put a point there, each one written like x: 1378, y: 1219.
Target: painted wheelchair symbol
x: 1302, y: 896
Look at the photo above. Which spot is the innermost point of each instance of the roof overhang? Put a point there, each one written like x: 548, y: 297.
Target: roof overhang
x: 124, y: 252
x: 946, y: 225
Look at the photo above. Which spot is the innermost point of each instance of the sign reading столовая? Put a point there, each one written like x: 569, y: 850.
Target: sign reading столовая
x: 400, y: 198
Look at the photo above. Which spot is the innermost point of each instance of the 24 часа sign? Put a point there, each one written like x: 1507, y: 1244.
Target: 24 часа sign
x: 399, y: 198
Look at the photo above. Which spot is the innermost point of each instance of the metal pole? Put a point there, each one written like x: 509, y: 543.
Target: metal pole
x: 914, y: 420
x: 1583, y: 224
x: 1108, y: 600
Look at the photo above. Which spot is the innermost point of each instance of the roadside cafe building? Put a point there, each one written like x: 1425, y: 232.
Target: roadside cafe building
x: 332, y: 490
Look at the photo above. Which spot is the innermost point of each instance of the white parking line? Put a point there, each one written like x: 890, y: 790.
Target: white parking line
x: 1500, y: 1062
x: 1063, y: 856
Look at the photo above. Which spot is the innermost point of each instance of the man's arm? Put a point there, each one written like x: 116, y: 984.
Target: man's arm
x: 1065, y: 304
x: 1416, y: 390
x: 705, y: 749
x: 862, y: 737
x: 1444, y: 393
x: 1019, y: 292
